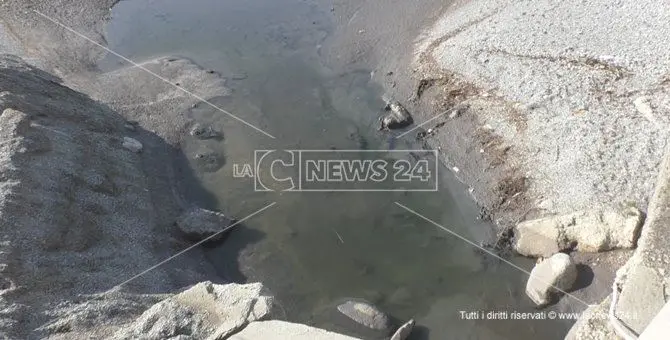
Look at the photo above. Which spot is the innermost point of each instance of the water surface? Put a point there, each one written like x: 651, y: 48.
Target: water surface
x: 315, y: 249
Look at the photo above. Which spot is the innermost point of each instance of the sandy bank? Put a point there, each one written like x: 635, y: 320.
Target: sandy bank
x: 573, y: 96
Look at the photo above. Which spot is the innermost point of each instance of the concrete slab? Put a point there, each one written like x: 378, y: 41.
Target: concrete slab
x: 644, y: 278
x: 658, y: 328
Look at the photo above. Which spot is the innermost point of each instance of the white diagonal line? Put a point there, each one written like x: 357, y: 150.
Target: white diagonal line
x: 487, y: 251
x: 197, y: 244
x: 155, y: 75
x: 422, y: 124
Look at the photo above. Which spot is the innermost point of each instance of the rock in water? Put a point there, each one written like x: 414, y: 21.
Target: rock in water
x: 403, y: 332
x: 558, y: 271
x: 209, y: 161
x: 366, y: 315
x: 204, y: 311
x: 586, y: 231
x: 397, y: 118
x: 198, y: 223
x: 204, y: 132
x: 132, y: 144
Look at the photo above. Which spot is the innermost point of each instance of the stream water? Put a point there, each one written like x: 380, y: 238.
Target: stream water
x: 314, y: 249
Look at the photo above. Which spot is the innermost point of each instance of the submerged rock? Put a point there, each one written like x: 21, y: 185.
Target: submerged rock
x: 198, y: 224
x: 558, y: 271
x: 209, y: 161
x: 365, y: 314
x: 204, y: 311
x: 586, y: 231
x: 204, y: 132
x: 132, y: 144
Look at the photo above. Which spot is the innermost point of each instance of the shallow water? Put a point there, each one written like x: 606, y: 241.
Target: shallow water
x: 314, y: 249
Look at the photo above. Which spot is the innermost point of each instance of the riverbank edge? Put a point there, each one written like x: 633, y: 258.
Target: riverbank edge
x: 64, y: 315
x: 457, y: 87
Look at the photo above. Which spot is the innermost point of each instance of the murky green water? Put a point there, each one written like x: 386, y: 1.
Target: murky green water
x: 314, y: 249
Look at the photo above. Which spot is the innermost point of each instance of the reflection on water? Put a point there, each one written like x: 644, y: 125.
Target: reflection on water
x: 314, y: 249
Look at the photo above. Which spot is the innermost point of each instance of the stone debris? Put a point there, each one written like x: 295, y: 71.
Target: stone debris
x: 209, y: 160
x: 197, y: 224
x: 586, y: 231
x: 397, y: 117
x: 204, y: 311
x: 365, y: 314
x: 204, y: 132
x: 558, y: 271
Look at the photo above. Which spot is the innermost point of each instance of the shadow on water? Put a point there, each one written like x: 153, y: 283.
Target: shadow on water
x: 225, y: 257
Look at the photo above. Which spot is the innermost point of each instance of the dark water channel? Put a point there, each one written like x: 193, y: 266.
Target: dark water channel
x: 313, y: 249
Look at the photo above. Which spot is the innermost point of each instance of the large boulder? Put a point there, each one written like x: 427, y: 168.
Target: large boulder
x: 586, y: 231
x: 197, y: 224
x: 366, y: 314
x: 281, y: 330
x: 205, y: 311
x: 552, y: 276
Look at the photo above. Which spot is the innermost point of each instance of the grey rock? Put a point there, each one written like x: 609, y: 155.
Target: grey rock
x: 204, y: 311
x: 132, y: 144
x: 209, y: 161
x: 239, y: 76
x: 397, y: 117
x: 365, y: 314
x: 586, y: 231
x: 404, y: 331
x: 197, y: 224
x: 204, y: 132
x: 550, y: 277
x: 282, y: 330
